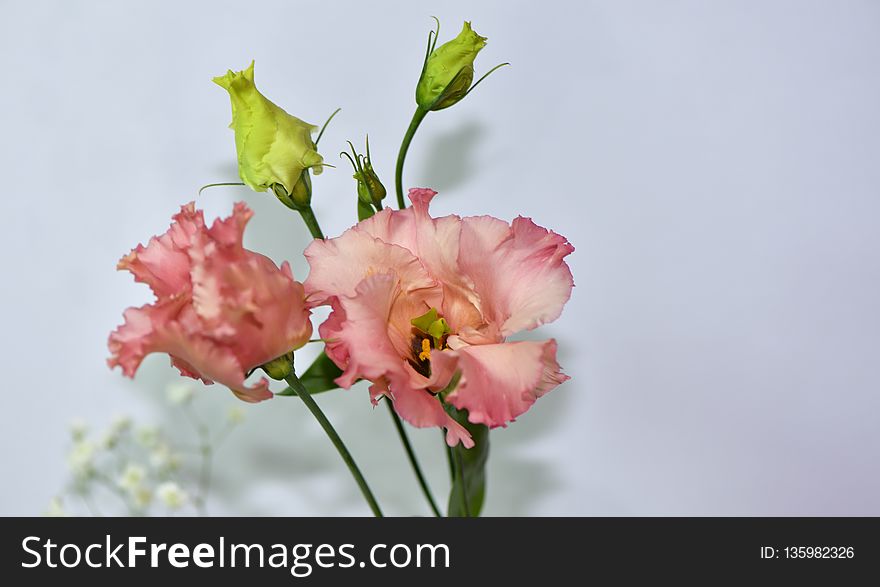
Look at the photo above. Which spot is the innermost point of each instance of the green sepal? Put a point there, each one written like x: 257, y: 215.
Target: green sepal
x: 319, y: 377
x: 279, y: 368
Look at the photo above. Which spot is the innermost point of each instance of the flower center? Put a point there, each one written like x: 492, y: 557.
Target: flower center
x: 429, y: 332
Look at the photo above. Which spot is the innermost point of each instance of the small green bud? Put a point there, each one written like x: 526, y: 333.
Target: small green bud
x: 273, y: 147
x: 279, y: 368
x: 370, y: 190
x: 449, y: 71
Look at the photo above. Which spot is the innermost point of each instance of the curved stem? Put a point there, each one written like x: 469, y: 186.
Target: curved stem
x: 308, y: 217
x: 423, y: 483
x: 417, y: 119
x: 309, y: 401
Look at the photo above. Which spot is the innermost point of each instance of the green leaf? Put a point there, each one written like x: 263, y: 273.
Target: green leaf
x: 318, y: 377
x: 469, y: 469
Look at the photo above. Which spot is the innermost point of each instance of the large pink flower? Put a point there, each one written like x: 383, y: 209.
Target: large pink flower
x: 221, y: 310
x: 485, y: 278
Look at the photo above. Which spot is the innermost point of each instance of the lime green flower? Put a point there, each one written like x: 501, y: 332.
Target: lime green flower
x: 274, y: 148
x: 449, y: 71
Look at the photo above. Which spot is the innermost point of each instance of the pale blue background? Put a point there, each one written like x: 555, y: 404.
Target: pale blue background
x: 716, y: 165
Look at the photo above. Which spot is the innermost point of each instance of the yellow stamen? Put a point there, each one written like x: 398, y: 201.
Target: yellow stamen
x: 426, y: 350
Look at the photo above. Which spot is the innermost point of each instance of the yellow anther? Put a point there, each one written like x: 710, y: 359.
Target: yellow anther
x: 426, y: 350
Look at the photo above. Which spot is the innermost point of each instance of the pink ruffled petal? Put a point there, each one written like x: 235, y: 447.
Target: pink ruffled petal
x: 371, y: 354
x: 136, y: 337
x: 364, y: 347
x: 222, y: 310
x: 212, y: 361
x: 329, y: 331
x: 501, y: 381
x: 435, y: 241
x: 230, y: 231
x: 423, y: 409
x: 164, y: 263
x: 520, y: 275
x: 339, y: 265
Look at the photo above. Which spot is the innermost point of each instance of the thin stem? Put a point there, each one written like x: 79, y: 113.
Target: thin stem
x: 309, y: 401
x: 308, y: 217
x: 448, y: 457
x: 417, y: 119
x: 410, y: 453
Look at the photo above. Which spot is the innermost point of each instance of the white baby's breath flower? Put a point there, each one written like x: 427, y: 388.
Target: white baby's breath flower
x: 55, y: 509
x: 118, y: 427
x: 180, y: 393
x: 147, y: 436
x: 132, y: 477
x: 109, y: 440
x: 120, y: 424
x: 81, y: 458
x: 141, y: 497
x: 79, y: 429
x: 172, y: 495
x: 235, y: 415
x: 164, y: 459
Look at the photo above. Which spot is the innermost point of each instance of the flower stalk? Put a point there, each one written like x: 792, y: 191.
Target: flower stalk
x: 410, y: 453
x: 417, y: 119
x: 311, y: 222
x: 297, y: 386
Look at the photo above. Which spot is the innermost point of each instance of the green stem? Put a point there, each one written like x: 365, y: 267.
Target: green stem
x: 417, y: 119
x: 308, y: 217
x: 448, y: 457
x: 423, y: 483
x: 309, y: 401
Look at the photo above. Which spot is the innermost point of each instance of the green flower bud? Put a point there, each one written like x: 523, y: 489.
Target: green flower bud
x: 279, y: 368
x: 274, y: 148
x: 370, y: 190
x: 449, y: 71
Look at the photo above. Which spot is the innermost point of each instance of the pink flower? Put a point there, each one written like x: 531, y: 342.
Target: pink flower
x: 485, y: 278
x: 220, y: 311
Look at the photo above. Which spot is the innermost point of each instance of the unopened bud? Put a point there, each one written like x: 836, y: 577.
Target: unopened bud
x: 279, y: 368
x: 449, y: 70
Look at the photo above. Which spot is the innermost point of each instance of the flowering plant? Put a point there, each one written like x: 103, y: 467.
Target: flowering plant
x: 421, y: 307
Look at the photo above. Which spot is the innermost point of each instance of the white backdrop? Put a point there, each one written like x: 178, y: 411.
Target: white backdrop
x: 715, y: 164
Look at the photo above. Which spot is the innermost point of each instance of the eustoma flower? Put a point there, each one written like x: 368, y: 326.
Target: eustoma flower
x: 417, y: 299
x: 220, y: 310
x: 274, y: 148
